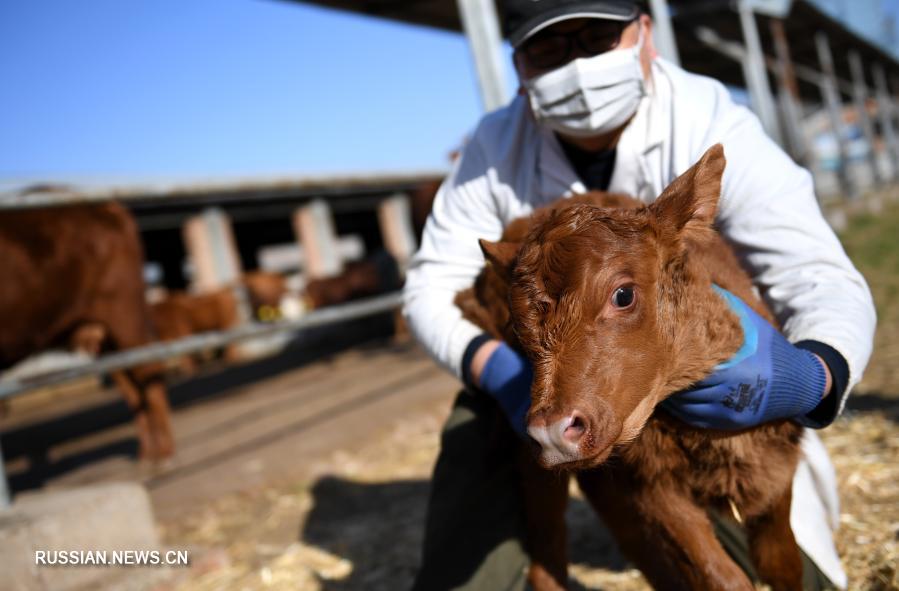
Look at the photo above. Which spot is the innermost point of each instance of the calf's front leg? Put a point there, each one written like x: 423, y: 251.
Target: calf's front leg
x: 664, y: 533
x: 773, y: 548
x: 545, y: 498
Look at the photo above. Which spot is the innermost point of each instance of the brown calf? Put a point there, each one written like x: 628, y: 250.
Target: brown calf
x: 182, y: 314
x: 602, y: 363
x: 265, y: 288
x: 73, y: 276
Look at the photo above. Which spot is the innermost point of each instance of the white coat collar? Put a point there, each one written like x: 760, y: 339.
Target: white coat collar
x: 556, y: 175
x: 640, y: 144
x: 641, y: 154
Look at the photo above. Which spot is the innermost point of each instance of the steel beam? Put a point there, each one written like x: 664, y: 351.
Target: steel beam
x: 4, y: 485
x: 834, y: 110
x: 756, y: 74
x: 860, y: 98
x: 788, y: 93
x: 664, y: 33
x: 482, y: 29
x: 885, y: 111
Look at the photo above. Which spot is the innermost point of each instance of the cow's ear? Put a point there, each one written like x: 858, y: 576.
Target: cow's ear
x: 691, y: 200
x: 500, y: 254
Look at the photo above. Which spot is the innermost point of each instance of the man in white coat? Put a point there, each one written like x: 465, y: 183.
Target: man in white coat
x: 598, y: 110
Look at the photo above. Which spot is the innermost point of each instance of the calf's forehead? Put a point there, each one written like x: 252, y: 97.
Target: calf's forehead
x: 588, y: 259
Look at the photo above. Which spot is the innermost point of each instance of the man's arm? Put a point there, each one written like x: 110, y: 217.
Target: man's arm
x: 447, y: 262
x: 479, y: 360
x: 828, y: 376
x: 449, y: 259
x: 769, y: 213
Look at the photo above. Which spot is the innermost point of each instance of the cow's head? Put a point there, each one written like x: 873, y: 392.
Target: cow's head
x: 606, y: 304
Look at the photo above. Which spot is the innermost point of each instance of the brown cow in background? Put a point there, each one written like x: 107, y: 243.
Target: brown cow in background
x: 376, y: 274
x: 74, y: 275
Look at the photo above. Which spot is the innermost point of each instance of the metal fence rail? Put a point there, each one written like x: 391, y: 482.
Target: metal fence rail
x: 201, y: 342
x: 194, y: 344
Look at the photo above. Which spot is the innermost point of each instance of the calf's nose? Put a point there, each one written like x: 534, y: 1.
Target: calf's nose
x: 559, y: 440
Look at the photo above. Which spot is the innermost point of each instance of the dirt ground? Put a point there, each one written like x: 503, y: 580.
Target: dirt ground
x: 356, y: 524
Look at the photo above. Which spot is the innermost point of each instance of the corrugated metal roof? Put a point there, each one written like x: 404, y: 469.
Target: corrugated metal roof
x: 719, y: 15
x: 219, y: 191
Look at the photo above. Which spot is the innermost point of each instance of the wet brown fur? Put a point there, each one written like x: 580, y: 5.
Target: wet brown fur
x: 652, y: 478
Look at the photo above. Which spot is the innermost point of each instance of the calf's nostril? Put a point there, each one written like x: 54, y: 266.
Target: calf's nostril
x: 575, y: 429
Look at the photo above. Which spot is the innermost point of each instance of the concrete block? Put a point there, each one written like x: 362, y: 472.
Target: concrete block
x: 100, y: 518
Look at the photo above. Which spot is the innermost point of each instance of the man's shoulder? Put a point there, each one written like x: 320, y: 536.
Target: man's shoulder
x: 701, y: 108
x: 695, y: 95
x: 689, y: 82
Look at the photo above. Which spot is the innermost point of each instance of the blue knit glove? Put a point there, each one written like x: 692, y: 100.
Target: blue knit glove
x: 766, y: 379
x: 507, y: 377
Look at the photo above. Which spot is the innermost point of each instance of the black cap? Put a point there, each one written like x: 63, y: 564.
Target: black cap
x: 524, y: 18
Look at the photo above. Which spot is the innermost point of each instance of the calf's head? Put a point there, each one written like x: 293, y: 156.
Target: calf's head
x: 607, y: 305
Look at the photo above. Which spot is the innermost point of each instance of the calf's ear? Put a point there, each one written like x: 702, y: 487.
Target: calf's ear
x: 691, y: 200
x: 500, y: 254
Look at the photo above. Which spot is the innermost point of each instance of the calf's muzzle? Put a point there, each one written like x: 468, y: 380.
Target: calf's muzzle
x: 575, y: 436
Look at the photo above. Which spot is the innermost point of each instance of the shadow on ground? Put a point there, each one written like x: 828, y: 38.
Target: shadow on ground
x: 875, y: 401
x: 36, y: 440
x: 379, y: 527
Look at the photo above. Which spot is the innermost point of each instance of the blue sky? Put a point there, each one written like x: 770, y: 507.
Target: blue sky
x: 223, y: 87
x: 200, y: 88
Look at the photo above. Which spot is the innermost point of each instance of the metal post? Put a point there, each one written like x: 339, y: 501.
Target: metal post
x: 4, y: 486
x: 665, y: 41
x: 788, y: 93
x: 885, y: 110
x: 757, y: 76
x: 860, y: 97
x: 482, y: 29
x: 894, y: 105
x: 834, y: 110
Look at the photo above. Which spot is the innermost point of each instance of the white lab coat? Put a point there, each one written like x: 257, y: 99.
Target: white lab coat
x: 767, y: 212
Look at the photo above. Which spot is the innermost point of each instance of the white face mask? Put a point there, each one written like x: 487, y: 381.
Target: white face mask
x: 592, y: 95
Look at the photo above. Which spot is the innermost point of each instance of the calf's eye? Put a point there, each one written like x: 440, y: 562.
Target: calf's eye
x: 623, y: 297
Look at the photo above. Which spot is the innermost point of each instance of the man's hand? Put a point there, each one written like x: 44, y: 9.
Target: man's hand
x: 767, y: 379
x: 506, y: 375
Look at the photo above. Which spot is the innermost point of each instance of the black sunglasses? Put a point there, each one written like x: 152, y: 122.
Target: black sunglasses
x: 549, y: 50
